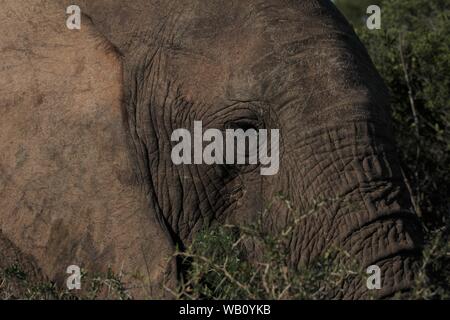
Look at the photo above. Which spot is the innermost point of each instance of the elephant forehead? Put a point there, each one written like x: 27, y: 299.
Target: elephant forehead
x: 217, y: 56
x: 235, y: 49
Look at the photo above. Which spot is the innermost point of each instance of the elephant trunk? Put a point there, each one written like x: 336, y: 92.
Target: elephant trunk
x: 353, y: 197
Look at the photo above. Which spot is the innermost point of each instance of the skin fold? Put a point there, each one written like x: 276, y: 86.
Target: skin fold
x: 86, y: 118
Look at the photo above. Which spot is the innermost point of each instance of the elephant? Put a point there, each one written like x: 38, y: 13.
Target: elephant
x: 86, y: 175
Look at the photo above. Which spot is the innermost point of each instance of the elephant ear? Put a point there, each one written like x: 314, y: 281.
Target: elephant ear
x: 69, y: 191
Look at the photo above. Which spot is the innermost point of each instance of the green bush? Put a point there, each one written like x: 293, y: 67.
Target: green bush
x: 355, y: 10
x: 16, y: 283
x: 218, y: 267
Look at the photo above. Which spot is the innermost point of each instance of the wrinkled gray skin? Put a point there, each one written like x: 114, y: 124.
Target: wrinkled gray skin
x: 296, y: 66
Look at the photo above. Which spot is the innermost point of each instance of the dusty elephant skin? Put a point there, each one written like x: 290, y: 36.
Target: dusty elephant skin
x: 86, y: 116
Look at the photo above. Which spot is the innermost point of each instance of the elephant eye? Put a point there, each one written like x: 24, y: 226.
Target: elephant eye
x: 250, y: 151
x: 244, y: 124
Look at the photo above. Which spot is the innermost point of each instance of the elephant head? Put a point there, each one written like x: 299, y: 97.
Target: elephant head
x: 103, y: 188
